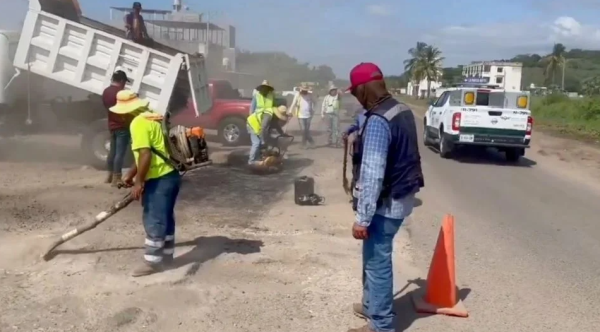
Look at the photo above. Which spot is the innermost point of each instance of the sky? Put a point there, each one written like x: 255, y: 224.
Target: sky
x: 343, y: 33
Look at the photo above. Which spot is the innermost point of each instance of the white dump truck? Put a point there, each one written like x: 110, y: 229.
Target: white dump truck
x: 57, y: 43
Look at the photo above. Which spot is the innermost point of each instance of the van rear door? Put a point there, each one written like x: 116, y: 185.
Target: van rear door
x: 490, y: 115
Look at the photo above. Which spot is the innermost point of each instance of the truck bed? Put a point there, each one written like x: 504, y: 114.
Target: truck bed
x: 59, y: 44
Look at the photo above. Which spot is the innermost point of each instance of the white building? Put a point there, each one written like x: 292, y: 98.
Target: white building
x: 420, y: 90
x: 503, y: 75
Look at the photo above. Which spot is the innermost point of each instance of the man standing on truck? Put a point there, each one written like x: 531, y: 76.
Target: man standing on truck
x: 303, y: 108
x: 156, y: 182
x: 259, y: 126
x: 263, y: 98
x: 135, y: 26
x: 390, y: 175
x: 118, y: 125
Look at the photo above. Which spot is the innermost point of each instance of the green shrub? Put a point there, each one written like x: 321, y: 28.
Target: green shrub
x: 578, y: 116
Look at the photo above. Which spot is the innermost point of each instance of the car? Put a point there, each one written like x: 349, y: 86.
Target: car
x: 228, y: 114
x: 466, y: 116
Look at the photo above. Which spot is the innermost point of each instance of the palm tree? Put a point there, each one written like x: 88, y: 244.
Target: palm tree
x: 553, y: 61
x: 411, y: 65
x: 430, y: 65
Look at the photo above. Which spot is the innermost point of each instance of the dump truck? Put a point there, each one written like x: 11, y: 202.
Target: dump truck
x: 58, y: 43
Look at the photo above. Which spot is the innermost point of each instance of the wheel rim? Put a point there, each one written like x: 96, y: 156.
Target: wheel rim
x: 231, y: 133
x: 101, y: 147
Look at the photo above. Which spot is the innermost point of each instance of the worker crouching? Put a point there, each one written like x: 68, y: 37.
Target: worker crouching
x: 259, y: 125
x: 156, y: 182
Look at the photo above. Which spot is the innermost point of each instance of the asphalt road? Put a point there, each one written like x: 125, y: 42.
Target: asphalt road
x: 527, y: 242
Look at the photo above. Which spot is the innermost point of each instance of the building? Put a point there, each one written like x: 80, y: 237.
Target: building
x: 499, y: 74
x: 419, y: 89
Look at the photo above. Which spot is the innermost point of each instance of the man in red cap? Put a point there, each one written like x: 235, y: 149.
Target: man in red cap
x: 389, y: 175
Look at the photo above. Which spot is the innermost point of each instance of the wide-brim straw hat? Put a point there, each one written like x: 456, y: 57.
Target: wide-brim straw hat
x: 266, y: 84
x: 281, y: 113
x: 127, y: 102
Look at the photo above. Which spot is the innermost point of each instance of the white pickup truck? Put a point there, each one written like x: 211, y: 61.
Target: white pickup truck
x: 60, y: 44
x: 481, y: 117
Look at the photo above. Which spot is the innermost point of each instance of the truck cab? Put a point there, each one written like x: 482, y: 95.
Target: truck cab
x: 479, y: 117
x: 228, y: 114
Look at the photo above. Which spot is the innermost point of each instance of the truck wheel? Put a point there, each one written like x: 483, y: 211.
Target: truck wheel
x: 426, y: 138
x: 445, y: 146
x: 233, y: 132
x: 513, y: 155
x: 95, y: 145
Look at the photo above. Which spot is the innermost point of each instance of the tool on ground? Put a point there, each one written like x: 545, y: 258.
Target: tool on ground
x: 187, y: 151
x: 304, y: 192
x: 345, y: 182
x: 440, y: 295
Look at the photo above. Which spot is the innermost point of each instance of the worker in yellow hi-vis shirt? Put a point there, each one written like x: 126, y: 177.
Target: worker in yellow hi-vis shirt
x: 156, y: 181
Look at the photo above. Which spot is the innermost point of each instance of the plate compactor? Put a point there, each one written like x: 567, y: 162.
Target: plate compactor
x: 272, y: 155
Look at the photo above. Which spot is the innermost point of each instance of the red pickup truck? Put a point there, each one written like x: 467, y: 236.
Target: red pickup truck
x: 228, y: 114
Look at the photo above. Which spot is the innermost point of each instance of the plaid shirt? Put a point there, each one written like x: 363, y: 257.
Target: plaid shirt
x: 376, y: 141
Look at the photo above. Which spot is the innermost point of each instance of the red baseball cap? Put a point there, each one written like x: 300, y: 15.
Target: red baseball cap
x: 364, y: 73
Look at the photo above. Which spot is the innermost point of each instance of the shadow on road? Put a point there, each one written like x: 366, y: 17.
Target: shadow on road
x: 486, y: 157
x: 205, y: 249
x: 403, y: 305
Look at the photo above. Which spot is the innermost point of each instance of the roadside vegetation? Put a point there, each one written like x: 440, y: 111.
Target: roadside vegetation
x: 575, y: 117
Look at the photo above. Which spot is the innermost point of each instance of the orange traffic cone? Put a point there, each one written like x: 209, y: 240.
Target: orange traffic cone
x: 440, y: 295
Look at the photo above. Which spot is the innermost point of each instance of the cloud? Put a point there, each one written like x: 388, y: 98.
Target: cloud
x: 378, y: 10
x: 462, y: 44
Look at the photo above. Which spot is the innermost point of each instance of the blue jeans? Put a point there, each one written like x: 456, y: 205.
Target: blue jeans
x: 119, y: 142
x: 333, y: 124
x: 305, y: 128
x: 378, y: 278
x: 255, y: 148
x: 158, y: 200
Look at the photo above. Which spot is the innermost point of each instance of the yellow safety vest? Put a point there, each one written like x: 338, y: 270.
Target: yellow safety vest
x: 263, y: 102
x: 255, y: 119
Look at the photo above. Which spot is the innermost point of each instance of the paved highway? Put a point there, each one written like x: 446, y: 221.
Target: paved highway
x: 527, y: 243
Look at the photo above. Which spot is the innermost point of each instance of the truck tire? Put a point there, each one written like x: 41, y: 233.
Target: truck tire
x: 95, y: 143
x: 426, y: 139
x: 445, y: 146
x: 233, y: 132
x: 513, y: 155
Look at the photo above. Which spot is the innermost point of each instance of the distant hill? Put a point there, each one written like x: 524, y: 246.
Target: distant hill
x: 581, y: 65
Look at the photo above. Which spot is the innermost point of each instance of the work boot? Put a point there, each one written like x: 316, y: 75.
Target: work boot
x: 365, y: 328
x: 109, y: 178
x: 146, y: 269
x: 117, y: 180
x: 358, y: 311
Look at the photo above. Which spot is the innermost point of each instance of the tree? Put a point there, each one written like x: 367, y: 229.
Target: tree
x: 553, y: 61
x: 425, y: 63
x: 431, y: 65
x: 411, y: 65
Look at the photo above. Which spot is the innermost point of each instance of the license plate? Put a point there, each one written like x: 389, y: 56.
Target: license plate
x: 466, y: 138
